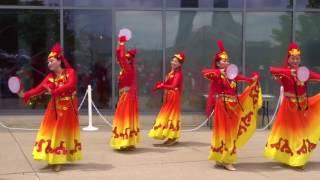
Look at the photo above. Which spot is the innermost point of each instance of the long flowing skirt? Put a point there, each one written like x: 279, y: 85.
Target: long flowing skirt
x: 168, y: 123
x: 58, y: 139
x: 126, y: 123
x: 234, y: 123
x: 295, y: 133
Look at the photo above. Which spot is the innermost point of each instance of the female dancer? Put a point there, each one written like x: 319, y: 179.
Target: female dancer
x: 295, y: 132
x: 234, y: 117
x: 126, y: 123
x: 58, y: 139
x: 167, y: 125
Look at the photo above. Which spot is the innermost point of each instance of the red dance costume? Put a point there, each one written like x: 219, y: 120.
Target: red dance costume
x: 126, y: 122
x: 58, y: 139
x: 168, y: 124
x: 295, y: 132
x: 234, y: 117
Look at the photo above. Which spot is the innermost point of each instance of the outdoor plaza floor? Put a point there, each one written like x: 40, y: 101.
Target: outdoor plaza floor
x: 150, y: 161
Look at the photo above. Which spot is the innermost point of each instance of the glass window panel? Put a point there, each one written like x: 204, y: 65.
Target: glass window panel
x: 269, y: 3
x: 196, y: 34
x: 87, y: 37
x: 146, y: 27
x: 117, y: 3
x: 186, y: 3
x: 228, y: 3
x: 139, y: 3
x: 204, y: 3
x: 88, y: 3
x: 25, y: 40
x: 266, y: 45
x: 302, y: 4
x: 307, y: 36
x: 31, y: 2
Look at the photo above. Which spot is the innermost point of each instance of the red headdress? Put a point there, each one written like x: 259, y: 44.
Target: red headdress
x: 222, y: 55
x: 180, y: 56
x: 56, y: 52
x: 293, y: 50
x: 132, y: 53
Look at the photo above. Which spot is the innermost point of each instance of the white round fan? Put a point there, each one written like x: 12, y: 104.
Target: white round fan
x: 232, y: 71
x: 14, y: 84
x: 125, y: 32
x: 303, y: 73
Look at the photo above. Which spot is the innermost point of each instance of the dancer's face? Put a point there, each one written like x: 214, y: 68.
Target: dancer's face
x: 223, y: 64
x: 294, y: 61
x: 175, y: 63
x: 54, y: 64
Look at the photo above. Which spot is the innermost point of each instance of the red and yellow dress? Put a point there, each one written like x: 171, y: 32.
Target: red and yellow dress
x: 168, y: 124
x: 296, y: 130
x: 126, y: 122
x: 234, y: 117
x: 58, y: 139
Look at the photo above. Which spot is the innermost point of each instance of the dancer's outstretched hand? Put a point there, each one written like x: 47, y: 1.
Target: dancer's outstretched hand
x: 21, y: 94
x: 158, y: 86
x: 255, y: 76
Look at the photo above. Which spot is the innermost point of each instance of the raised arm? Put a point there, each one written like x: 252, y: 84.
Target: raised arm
x: 121, y: 54
x: 278, y: 73
x: 314, y: 76
x: 211, y: 74
x: 241, y: 77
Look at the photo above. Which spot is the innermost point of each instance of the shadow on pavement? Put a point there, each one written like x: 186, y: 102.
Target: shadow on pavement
x: 81, y: 167
x: 143, y: 150
x: 275, y: 166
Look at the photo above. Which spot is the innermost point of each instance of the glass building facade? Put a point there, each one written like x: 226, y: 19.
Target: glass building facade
x: 255, y: 32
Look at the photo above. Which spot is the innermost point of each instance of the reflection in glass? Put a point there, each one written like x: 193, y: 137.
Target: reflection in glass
x: 308, y: 3
x: 266, y: 44
x: 307, y: 35
x: 204, y: 3
x: 227, y: 3
x: 88, y: 46
x: 25, y: 40
x: 269, y: 3
x: 97, y: 3
x: 196, y: 34
x: 146, y: 27
x: 139, y: 3
x: 31, y: 2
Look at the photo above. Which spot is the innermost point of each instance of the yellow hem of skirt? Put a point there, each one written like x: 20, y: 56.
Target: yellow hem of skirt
x: 57, y: 159
x: 163, y: 134
x: 121, y: 143
x: 300, y: 160
x: 222, y: 158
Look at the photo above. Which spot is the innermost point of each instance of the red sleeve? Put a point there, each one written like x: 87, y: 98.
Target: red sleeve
x: 278, y: 72
x: 175, y: 83
x: 210, y: 74
x: 69, y: 86
x: 121, y: 56
x: 243, y: 78
x: 38, y: 90
x: 314, y: 76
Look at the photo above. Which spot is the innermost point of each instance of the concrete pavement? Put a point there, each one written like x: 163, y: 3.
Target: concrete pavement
x: 150, y: 161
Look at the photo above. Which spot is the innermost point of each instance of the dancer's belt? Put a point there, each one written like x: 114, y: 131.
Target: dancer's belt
x: 124, y: 89
x: 228, y: 98
x: 294, y: 98
x: 66, y: 98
